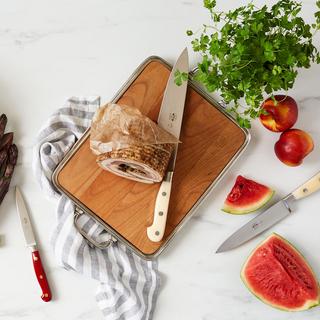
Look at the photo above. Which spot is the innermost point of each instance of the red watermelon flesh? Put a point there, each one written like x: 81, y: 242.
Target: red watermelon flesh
x: 246, y: 196
x: 279, y: 275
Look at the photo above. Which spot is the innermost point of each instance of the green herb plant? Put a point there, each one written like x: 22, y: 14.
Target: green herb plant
x: 250, y: 52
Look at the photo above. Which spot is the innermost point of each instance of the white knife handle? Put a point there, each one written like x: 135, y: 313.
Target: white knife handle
x: 308, y: 188
x: 156, y: 231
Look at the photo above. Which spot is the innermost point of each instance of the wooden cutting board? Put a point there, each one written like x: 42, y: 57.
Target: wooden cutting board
x: 210, y: 140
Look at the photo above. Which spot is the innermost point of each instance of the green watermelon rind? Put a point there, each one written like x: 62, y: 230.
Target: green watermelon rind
x: 309, y: 303
x: 248, y: 209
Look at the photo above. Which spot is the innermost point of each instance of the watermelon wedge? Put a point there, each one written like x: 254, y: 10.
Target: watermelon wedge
x: 246, y: 196
x: 278, y: 274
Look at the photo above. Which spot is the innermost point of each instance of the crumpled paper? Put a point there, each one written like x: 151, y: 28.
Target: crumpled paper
x: 116, y: 127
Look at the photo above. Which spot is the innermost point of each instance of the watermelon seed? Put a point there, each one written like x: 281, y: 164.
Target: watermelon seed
x: 288, y: 262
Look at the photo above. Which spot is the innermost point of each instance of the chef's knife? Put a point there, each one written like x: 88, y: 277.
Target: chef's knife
x: 31, y: 243
x: 170, y: 119
x: 271, y: 216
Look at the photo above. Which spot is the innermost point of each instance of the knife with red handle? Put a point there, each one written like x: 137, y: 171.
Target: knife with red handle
x: 41, y: 276
x: 31, y: 243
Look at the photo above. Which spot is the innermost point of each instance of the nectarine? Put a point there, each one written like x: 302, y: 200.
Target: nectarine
x: 293, y: 146
x: 281, y: 116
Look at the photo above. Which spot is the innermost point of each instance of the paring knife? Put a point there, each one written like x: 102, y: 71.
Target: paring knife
x: 31, y: 243
x: 271, y: 216
x: 170, y: 119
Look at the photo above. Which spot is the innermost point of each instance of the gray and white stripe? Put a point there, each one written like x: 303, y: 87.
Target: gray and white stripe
x: 129, y: 285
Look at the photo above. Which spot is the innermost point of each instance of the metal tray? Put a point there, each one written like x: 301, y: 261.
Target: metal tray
x: 82, y: 209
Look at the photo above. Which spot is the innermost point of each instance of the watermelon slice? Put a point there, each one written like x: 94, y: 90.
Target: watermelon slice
x: 279, y: 275
x: 246, y: 196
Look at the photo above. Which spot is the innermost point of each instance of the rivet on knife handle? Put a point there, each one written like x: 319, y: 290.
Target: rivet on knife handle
x: 41, y: 276
x: 156, y: 231
x: 308, y: 187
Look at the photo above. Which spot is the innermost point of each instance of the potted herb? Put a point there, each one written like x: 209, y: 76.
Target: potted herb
x: 251, y: 52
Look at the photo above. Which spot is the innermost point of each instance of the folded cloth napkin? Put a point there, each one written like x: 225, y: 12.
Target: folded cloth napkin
x: 129, y: 285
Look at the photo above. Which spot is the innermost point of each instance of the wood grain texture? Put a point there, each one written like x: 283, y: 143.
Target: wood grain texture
x: 209, y: 142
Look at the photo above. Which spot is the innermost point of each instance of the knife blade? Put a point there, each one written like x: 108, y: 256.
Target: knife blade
x: 263, y: 221
x: 271, y: 216
x: 170, y: 119
x: 32, y: 244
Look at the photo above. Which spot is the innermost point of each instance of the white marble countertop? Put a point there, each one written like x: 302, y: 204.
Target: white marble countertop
x: 50, y: 50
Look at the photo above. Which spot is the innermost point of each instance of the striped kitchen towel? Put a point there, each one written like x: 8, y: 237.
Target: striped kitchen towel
x: 129, y: 285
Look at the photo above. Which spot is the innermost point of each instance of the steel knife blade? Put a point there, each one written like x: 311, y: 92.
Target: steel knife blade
x: 25, y: 220
x: 170, y: 119
x: 31, y: 243
x: 258, y: 224
x: 172, y: 106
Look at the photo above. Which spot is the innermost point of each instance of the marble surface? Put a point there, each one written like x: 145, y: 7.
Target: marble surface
x: 50, y: 50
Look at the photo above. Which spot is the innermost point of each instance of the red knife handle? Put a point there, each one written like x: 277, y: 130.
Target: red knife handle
x: 41, y: 276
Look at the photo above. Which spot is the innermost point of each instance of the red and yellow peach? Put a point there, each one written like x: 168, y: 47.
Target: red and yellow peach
x: 281, y: 116
x: 293, y: 146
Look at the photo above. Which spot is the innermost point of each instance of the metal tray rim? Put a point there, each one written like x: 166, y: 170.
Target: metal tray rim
x: 116, y: 97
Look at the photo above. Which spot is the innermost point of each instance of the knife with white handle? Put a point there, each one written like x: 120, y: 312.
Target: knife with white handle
x: 170, y: 119
x: 271, y: 216
x: 308, y: 187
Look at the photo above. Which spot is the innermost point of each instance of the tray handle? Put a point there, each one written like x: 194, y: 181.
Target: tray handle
x: 101, y: 245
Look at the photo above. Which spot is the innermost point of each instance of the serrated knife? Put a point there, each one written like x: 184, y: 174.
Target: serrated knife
x: 271, y: 216
x: 31, y: 243
x: 170, y: 119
